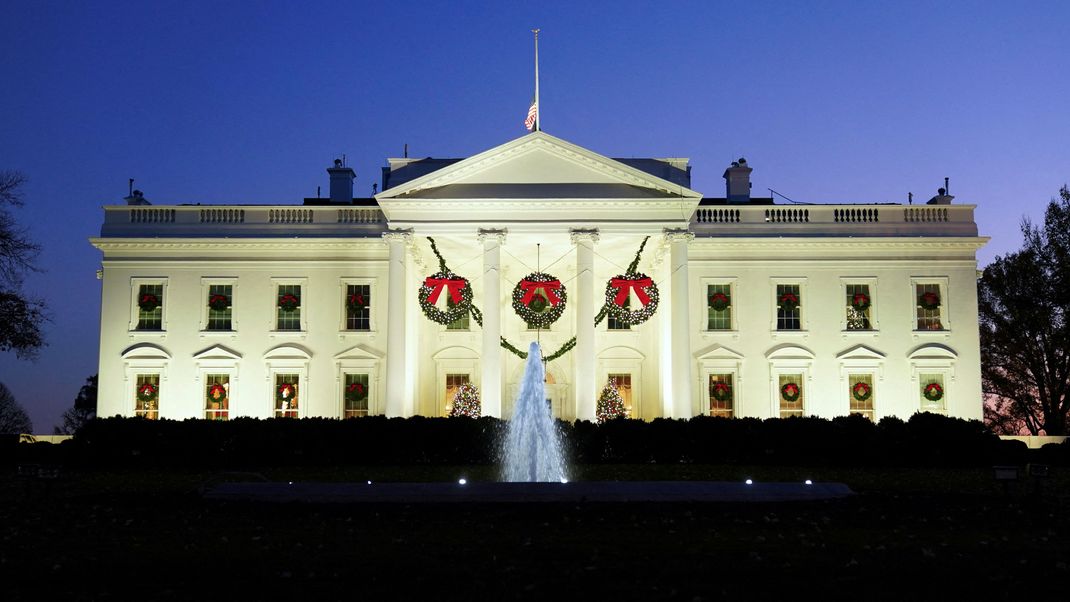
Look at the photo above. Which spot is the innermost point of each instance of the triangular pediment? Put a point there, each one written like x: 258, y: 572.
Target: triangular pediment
x: 718, y: 352
x: 217, y: 352
x: 359, y: 352
x: 538, y: 165
x: 860, y: 352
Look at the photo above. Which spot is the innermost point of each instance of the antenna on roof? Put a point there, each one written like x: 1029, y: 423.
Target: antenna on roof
x: 772, y: 192
x: 910, y: 198
x: 406, y: 150
x: 131, y: 191
x: 317, y: 192
x: 947, y: 185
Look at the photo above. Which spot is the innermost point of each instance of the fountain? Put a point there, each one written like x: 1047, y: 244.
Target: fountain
x: 531, y: 449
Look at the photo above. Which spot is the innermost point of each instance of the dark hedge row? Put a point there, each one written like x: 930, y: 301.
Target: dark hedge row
x: 924, y: 440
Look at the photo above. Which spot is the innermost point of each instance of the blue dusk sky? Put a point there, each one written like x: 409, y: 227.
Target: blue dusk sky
x: 249, y: 102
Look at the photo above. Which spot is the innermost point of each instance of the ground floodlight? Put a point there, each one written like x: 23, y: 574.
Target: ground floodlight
x: 809, y: 482
x: 463, y: 481
x: 749, y: 482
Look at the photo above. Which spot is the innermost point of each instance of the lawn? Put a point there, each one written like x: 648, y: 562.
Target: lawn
x: 926, y: 534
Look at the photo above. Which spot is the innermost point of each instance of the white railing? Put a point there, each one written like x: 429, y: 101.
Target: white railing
x: 151, y: 215
x: 360, y: 216
x: 834, y: 220
x: 222, y: 216
x: 248, y: 220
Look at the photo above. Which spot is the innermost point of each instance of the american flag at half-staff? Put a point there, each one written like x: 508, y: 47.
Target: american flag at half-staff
x: 533, y: 113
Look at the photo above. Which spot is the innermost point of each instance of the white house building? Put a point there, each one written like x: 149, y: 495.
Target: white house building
x: 763, y: 309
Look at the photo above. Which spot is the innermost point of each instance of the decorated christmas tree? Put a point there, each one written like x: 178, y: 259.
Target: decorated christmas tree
x: 466, y: 402
x: 610, y: 404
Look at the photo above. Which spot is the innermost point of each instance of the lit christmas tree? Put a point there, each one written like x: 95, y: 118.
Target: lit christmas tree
x: 610, y: 404
x: 466, y: 402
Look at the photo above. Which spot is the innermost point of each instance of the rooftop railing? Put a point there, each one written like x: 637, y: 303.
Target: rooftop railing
x: 241, y: 221
x: 834, y: 220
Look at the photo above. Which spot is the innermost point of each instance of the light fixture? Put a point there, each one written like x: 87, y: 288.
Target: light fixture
x: 463, y: 481
x: 749, y: 482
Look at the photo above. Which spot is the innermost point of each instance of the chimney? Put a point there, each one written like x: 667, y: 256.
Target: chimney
x: 136, y: 198
x: 737, y: 182
x: 941, y: 198
x: 341, y: 182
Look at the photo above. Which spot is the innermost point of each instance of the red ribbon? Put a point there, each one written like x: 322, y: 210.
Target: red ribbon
x: 453, y: 286
x: 623, y: 286
x: 549, y: 287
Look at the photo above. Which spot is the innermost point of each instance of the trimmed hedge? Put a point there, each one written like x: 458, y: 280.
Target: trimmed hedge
x: 925, y: 440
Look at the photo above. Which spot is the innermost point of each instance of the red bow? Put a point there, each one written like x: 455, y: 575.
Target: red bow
x: 453, y: 286
x: 549, y: 287
x: 623, y: 286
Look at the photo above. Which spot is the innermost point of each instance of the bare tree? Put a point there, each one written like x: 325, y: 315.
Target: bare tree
x: 84, y: 410
x: 21, y: 316
x: 13, y: 419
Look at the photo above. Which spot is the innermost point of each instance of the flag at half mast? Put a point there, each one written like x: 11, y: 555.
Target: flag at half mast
x: 532, y: 122
x: 533, y: 113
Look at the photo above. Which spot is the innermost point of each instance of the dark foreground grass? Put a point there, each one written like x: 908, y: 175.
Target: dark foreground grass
x: 923, y: 535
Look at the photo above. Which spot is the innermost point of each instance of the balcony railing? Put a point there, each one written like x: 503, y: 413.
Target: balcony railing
x: 241, y: 221
x: 834, y: 220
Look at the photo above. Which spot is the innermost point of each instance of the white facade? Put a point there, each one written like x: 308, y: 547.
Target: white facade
x: 539, y: 201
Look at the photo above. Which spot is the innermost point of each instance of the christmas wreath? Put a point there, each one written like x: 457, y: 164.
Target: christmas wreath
x: 719, y: 301
x: 356, y: 302
x: 539, y: 299
x: 790, y: 392
x: 788, y: 301
x: 933, y: 392
x: 218, y: 302
x: 861, y: 391
x: 148, y: 302
x: 860, y: 301
x: 929, y: 300
x: 721, y: 391
x: 356, y: 392
x: 148, y: 392
x: 289, y: 302
x: 617, y: 293
x: 286, y: 392
x: 458, y: 289
x: 217, y: 392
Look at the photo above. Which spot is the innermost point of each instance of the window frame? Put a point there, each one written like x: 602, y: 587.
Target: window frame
x: 145, y: 360
x: 874, y: 320
x: 206, y: 284
x: 945, y: 315
x: 631, y: 367
x: 359, y: 365
x: 733, y: 318
x: 135, y: 312
x: 874, y: 392
x: 707, y: 374
x: 273, y: 327
x: 343, y: 293
x: 288, y: 359
x: 804, y: 300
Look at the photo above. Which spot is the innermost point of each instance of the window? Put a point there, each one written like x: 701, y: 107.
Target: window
x: 929, y: 300
x: 859, y: 307
x: 217, y: 396
x: 722, y: 395
x: 862, y: 394
x: 615, y: 324
x: 788, y: 307
x: 150, y: 307
x: 719, y: 306
x: 286, y: 393
x: 288, y: 307
x: 220, y: 301
x: 790, y: 391
x: 147, y: 396
x: 932, y: 392
x: 355, y: 396
x: 460, y: 323
x: 358, y: 303
x: 453, y: 384
x: 623, y: 383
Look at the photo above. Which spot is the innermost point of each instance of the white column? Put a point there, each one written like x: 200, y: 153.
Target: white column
x: 491, y: 376
x: 585, y: 304
x: 680, y: 347
x: 395, y: 322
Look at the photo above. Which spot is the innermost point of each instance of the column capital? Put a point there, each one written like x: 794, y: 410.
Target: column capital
x: 678, y: 235
x: 492, y: 234
x: 579, y: 235
x: 398, y: 235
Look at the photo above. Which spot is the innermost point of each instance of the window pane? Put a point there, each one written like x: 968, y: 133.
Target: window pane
x: 147, y: 396
x: 788, y: 316
x: 460, y: 323
x: 722, y: 395
x: 355, y: 396
x: 288, y: 320
x: 856, y: 390
x: 151, y: 319
x: 719, y: 319
x: 928, y: 319
x: 615, y: 324
x: 932, y: 392
x: 623, y: 383
x: 217, y: 396
x: 858, y: 319
x: 219, y: 319
x: 358, y: 304
x: 453, y: 384
x: 286, y: 395
x: 785, y: 391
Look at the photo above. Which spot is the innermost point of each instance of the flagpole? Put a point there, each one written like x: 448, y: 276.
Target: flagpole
x: 538, y: 118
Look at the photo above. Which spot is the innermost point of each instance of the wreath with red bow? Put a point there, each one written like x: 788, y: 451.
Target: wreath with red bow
x: 456, y: 287
x: 721, y: 391
x: 929, y: 300
x: 790, y: 392
x: 356, y: 392
x: 286, y: 392
x: 356, y: 302
x: 539, y: 299
x: 788, y: 301
x: 148, y: 302
x: 217, y: 392
x: 148, y: 392
x: 289, y: 302
x: 619, y: 289
x: 218, y: 302
x: 860, y: 301
x: 861, y: 391
x: 933, y: 392
x: 719, y: 301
